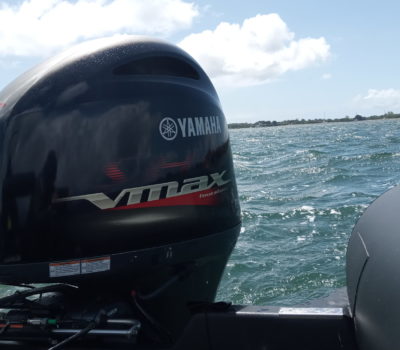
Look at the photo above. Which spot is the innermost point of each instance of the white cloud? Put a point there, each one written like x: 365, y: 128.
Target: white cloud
x: 381, y: 99
x: 39, y: 27
x: 260, y: 49
x: 326, y: 76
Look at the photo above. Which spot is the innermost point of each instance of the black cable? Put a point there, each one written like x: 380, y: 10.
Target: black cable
x: 179, y: 275
x: 100, y: 317
x: 153, y: 322
x: 159, y: 290
x: 80, y: 334
x: 137, y: 295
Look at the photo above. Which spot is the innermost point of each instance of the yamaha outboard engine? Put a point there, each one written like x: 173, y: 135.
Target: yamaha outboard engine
x: 373, y: 281
x: 117, y: 177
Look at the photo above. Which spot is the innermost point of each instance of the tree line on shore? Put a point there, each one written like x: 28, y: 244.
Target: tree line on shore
x: 268, y: 123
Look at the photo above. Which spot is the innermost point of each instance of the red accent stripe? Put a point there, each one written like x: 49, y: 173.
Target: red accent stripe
x: 174, y: 165
x: 206, y: 197
x: 114, y: 173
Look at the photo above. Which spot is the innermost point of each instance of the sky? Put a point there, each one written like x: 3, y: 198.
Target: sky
x: 268, y: 59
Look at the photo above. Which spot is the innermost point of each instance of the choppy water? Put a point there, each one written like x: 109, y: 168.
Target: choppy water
x: 302, y: 188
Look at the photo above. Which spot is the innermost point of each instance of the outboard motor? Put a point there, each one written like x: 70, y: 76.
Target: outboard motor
x: 373, y: 282
x: 117, y: 177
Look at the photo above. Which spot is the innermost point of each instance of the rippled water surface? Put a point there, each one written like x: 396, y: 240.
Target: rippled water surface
x: 302, y: 188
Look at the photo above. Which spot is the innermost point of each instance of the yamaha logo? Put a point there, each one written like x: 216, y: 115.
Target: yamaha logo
x: 189, y: 127
x: 168, y: 129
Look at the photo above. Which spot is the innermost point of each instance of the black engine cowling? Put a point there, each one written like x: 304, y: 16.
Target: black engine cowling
x: 116, y: 166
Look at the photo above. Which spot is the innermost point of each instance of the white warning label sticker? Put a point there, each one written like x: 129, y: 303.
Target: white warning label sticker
x: 65, y: 268
x: 95, y: 265
x: 78, y: 267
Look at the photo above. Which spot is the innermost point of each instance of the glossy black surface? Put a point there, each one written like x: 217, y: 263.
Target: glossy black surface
x: 88, y: 122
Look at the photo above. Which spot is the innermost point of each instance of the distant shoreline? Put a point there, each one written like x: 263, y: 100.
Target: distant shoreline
x: 357, y: 118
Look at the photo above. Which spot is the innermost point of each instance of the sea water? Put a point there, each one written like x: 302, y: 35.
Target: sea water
x: 302, y: 189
